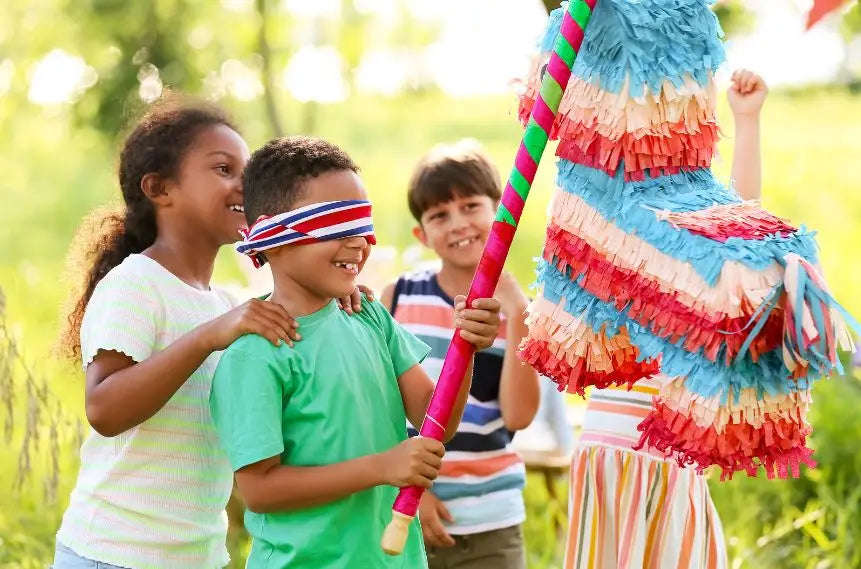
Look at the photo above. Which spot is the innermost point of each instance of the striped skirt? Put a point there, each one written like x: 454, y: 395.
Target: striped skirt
x: 629, y: 510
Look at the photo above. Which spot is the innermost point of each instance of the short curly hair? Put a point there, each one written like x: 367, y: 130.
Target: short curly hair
x: 275, y: 176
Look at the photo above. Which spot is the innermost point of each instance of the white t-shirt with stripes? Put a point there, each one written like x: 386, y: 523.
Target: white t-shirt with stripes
x: 153, y: 496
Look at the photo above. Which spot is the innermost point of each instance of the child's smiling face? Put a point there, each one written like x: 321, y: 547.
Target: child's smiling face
x: 206, y: 194
x: 457, y: 229
x: 327, y: 269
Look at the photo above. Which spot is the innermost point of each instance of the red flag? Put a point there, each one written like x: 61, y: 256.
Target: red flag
x: 820, y: 9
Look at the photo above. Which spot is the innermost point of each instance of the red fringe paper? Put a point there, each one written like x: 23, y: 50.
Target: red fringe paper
x: 662, y: 133
x: 745, y: 220
x: 571, y: 152
x: 575, y: 379
x: 645, y: 302
x: 681, y: 148
x: 779, y: 446
x: 733, y: 406
x: 524, y: 110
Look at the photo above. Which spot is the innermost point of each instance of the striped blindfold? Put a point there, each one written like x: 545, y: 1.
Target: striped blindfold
x: 309, y: 224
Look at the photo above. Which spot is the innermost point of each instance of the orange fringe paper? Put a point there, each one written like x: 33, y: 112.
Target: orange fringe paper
x: 569, y: 352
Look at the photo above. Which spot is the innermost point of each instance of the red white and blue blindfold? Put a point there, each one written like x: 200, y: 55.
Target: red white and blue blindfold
x: 309, y: 224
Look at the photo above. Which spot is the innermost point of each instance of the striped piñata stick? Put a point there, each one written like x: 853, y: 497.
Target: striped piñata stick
x: 495, y: 251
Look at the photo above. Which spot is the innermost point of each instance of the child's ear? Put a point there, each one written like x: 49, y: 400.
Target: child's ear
x: 419, y: 234
x: 155, y: 189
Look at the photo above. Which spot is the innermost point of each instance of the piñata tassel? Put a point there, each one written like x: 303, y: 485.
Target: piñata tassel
x: 815, y: 324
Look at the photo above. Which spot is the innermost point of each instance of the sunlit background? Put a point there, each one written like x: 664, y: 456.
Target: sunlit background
x: 386, y: 79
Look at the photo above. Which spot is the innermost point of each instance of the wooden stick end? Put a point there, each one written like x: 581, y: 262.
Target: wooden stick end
x: 395, y: 536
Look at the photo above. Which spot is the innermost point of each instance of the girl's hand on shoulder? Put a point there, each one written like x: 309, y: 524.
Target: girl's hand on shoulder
x: 267, y: 319
x: 747, y: 93
x: 353, y: 303
x: 478, y: 325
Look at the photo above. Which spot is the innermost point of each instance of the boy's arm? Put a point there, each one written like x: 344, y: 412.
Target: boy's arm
x: 479, y: 326
x: 746, y: 96
x: 269, y: 486
x: 416, y: 386
x: 416, y: 390
x: 387, y: 296
x: 519, y: 390
x: 246, y: 403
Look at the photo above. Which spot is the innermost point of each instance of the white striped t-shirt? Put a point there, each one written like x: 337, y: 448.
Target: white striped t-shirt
x: 153, y: 496
x: 612, y: 415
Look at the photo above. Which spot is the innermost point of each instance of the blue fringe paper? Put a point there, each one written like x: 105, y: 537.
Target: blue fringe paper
x: 650, y: 41
x: 627, y: 204
x: 662, y: 39
x: 554, y: 25
x: 706, y: 378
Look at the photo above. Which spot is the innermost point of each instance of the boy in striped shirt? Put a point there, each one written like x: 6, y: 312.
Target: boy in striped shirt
x: 472, y: 516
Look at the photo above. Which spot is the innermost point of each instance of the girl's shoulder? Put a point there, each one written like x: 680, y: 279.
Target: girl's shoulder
x: 124, y: 313
x: 137, y: 280
x: 134, y: 277
x: 140, y: 281
x: 135, y: 267
x: 143, y: 276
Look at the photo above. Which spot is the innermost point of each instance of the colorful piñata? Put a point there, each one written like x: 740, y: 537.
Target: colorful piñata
x: 651, y: 266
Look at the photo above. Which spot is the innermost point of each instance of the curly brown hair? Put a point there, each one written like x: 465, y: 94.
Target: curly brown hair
x: 157, y: 144
x: 275, y: 176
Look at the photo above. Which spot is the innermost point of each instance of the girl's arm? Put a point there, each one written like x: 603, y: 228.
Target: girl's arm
x: 121, y: 394
x: 269, y: 486
x: 387, y: 296
x: 746, y: 97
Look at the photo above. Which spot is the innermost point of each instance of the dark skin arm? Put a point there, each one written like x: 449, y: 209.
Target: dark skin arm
x: 121, y: 394
x: 269, y: 486
x: 518, y: 402
x: 416, y: 390
x: 479, y: 326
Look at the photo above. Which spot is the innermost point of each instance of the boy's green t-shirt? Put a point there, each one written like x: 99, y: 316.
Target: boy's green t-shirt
x: 331, y: 398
